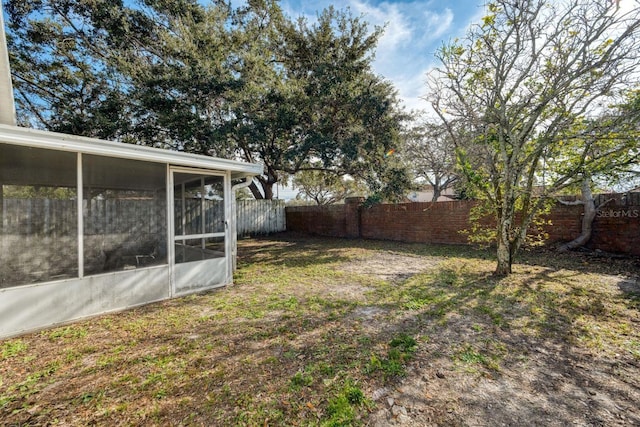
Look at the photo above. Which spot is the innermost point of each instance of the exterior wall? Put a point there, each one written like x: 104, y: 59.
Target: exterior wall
x: 353, y: 220
x: 616, y: 227
x: 31, y: 307
x: 617, y: 223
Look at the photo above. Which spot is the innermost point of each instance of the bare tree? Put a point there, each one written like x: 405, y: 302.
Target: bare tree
x: 429, y: 152
x: 525, y: 81
x: 324, y: 187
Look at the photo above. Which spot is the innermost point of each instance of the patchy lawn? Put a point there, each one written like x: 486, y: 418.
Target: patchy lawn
x: 337, y: 332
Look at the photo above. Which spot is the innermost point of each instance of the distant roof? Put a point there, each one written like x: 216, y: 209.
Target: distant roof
x: 17, y: 135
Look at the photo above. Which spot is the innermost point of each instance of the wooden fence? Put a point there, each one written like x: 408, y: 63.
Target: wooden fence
x: 51, y: 217
x: 260, y: 217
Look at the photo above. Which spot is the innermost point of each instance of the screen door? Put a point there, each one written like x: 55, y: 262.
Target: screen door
x: 199, y: 231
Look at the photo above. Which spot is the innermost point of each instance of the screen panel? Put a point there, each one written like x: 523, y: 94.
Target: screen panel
x: 124, y: 214
x: 38, y: 215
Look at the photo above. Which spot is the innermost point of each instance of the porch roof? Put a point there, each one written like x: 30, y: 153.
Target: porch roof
x: 79, y: 144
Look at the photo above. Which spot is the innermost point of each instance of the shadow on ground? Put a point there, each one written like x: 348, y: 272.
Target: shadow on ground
x: 309, y: 335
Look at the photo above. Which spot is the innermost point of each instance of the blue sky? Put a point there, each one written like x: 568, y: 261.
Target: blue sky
x: 414, y: 31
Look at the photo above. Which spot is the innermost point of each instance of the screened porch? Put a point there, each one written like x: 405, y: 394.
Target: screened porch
x: 89, y: 226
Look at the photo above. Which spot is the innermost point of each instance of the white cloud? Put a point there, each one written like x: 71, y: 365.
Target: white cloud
x: 414, y: 30
x: 405, y: 51
x: 437, y: 23
x: 407, y: 25
x: 412, y: 88
x: 398, y: 29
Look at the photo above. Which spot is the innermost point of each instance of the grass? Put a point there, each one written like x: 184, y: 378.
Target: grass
x: 302, y: 340
x: 12, y: 348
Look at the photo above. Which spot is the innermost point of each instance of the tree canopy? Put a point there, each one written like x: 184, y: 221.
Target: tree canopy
x: 248, y: 82
x: 528, y: 84
x: 325, y: 188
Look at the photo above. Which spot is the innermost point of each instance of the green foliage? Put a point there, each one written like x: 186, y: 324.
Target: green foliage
x: 244, y: 82
x: 372, y: 200
x: 482, y: 218
x: 324, y: 187
x: 301, y: 379
x: 341, y: 409
x: 405, y: 344
x: 60, y: 57
x: 469, y: 355
x: 340, y: 412
x: 388, y: 182
x: 529, y: 86
x: 482, y: 231
x: 339, y: 111
x: 353, y: 393
x: 37, y: 192
x: 66, y: 333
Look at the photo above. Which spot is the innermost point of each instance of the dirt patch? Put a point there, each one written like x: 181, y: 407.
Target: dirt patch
x: 544, y: 385
x: 390, y: 266
x: 540, y: 381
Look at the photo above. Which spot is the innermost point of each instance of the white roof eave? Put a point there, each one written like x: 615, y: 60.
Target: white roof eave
x: 58, y: 141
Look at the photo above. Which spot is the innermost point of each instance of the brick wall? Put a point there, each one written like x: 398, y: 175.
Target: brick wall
x: 616, y: 227
x: 321, y: 220
x: 417, y: 222
x: 617, y: 223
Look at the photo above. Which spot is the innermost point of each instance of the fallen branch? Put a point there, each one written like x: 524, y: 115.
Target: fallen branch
x: 570, y: 203
x: 604, y: 203
x: 587, y: 219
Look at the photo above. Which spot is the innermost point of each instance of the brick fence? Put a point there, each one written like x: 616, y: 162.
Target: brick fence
x: 616, y: 227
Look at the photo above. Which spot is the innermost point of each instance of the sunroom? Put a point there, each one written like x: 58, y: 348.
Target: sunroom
x: 90, y: 226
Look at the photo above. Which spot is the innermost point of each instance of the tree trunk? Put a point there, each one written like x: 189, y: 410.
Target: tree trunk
x: 587, y: 219
x: 265, y: 194
x: 436, y: 189
x: 504, y: 251
x: 505, y: 259
x: 436, y: 193
x: 268, y: 190
x: 255, y: 191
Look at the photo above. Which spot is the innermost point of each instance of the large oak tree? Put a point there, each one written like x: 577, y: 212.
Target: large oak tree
x: 249, y: 82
